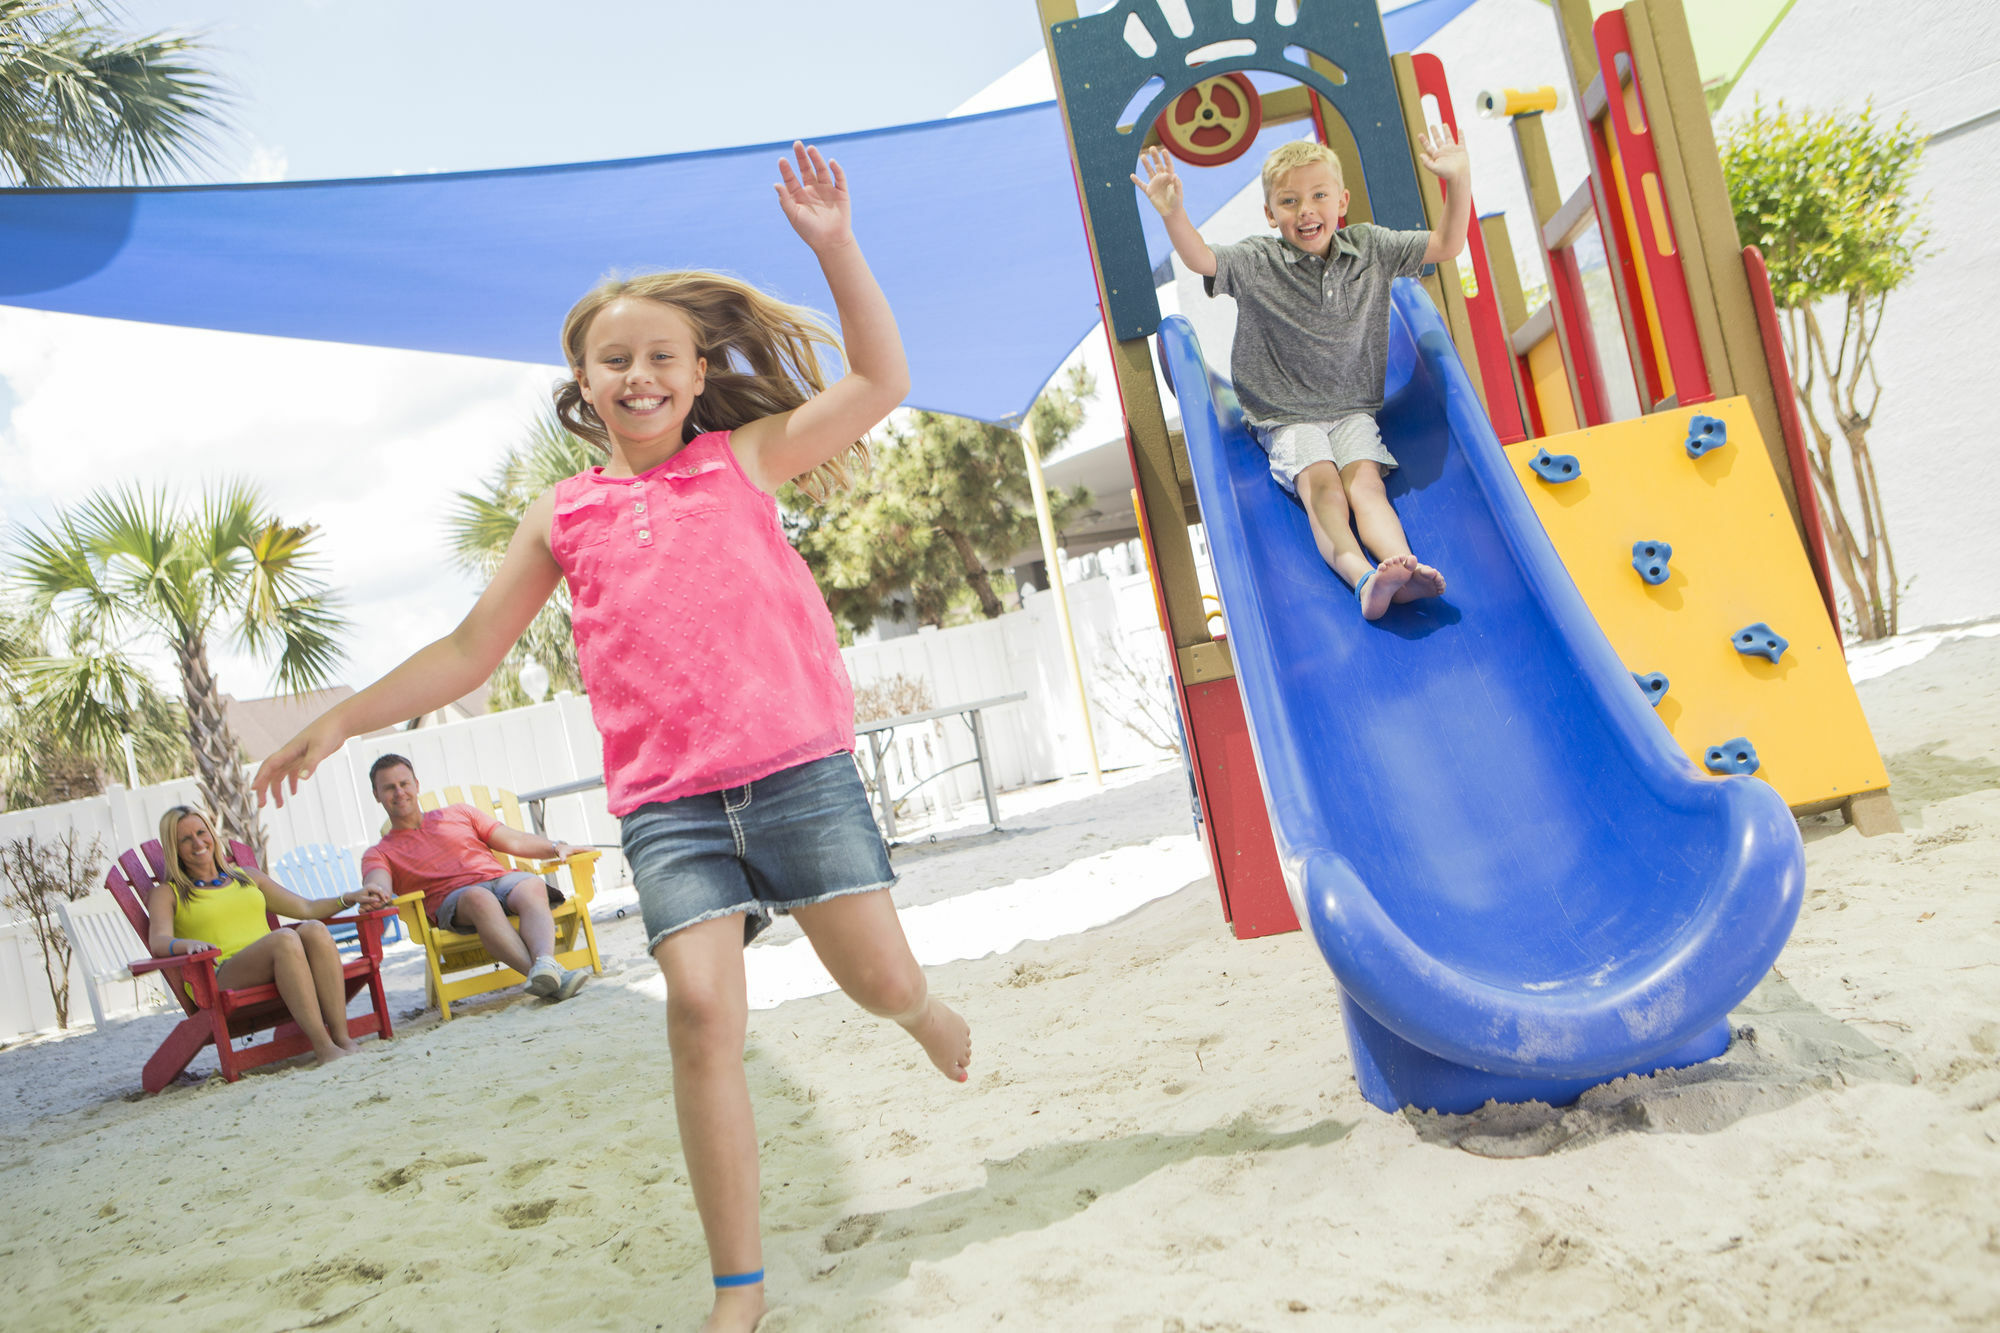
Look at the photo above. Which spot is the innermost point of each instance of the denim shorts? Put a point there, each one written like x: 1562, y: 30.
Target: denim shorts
x: 497, y: 889
x: 798, y: 837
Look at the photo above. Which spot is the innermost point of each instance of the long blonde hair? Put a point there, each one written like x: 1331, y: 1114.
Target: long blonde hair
x: 174, y: 872
x: 761, y: 352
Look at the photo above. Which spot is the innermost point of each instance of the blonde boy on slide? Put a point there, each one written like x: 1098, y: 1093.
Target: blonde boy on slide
x: 1312, y: 344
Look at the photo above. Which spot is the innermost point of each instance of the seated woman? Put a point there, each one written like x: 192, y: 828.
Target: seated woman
x: 206, y: 901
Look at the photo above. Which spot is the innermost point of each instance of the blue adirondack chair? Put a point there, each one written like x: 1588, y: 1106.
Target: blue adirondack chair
x: 321, y: 870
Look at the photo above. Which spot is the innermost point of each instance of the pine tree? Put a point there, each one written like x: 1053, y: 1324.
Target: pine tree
x: 946, y: 500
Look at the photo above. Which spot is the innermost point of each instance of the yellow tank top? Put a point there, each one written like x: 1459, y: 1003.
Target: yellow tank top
x: 228, y: 916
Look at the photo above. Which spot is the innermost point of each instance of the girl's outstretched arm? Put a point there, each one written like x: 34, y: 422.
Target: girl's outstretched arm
x: 778, y: 448
x: 449, y: 669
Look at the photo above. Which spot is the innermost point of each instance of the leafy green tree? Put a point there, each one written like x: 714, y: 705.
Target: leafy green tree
x: 82, y: 104
x: 481, y: 525
x: 1829, y: 200
x: 40, y: 764
x: 132, y: 566
x: 946, y: 499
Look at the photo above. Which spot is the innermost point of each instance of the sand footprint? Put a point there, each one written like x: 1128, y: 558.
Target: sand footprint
x: 410, y: 1172
x: 851, y: 1233
x: 523, y: 1172
x: 518, y: 1216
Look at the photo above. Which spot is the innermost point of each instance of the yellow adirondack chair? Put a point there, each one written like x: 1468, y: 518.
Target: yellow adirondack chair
x: 451, y: 956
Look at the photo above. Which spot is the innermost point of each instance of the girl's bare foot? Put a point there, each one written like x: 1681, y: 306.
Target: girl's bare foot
x: 1381, y: 587
x: 332, y: 1053
x: 736, y: 1310
x: 351, y: 1046
x: 945, y: 1037
x: 1424, y: 582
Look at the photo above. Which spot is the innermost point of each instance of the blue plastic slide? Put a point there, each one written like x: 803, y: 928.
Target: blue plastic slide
x: 1521, y: 884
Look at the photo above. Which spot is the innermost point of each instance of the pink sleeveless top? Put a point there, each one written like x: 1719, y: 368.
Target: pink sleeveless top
x: 708, y: 652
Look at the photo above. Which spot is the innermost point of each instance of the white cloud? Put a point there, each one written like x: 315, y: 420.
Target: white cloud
x: 266, y: 163
x: 368, y: 443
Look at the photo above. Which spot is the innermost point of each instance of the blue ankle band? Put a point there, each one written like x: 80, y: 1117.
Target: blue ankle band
x: 740, y: 1279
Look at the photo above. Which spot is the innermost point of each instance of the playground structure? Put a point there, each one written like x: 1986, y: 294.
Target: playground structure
x: 1470, y: 806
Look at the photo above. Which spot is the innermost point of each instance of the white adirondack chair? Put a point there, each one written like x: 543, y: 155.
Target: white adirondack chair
x: 106, y: 945
x: 321, y: 870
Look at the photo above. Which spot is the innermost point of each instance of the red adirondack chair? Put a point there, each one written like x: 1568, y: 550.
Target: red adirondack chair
x: 217, y: 1015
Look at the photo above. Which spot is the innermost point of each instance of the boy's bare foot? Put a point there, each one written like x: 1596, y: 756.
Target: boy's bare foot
x: 1424, y: 582
x: 1381, y: 587
x: 736, y: 1310
x: 945, y: 1037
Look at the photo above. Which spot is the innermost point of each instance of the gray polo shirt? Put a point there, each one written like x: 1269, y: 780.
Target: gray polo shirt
x: 1312, y: 334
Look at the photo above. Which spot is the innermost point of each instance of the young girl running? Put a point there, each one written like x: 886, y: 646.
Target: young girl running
x: 712, y: 665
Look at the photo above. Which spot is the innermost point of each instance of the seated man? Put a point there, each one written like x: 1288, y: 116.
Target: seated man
x: 447, y: 855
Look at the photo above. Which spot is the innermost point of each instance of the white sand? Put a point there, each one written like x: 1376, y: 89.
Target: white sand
x: 1162, y: 1131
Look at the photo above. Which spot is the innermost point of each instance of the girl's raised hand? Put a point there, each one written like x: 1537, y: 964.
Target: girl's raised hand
x: 814, y: 198
x: 295, y: 761
x: 1162, y: 184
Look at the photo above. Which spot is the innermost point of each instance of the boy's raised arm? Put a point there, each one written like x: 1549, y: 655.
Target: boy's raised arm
x: 1444, y: 157
x: 1163, y: 189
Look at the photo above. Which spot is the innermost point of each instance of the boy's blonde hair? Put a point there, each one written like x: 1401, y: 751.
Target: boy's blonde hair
x: 1298, y: 153
x: 762, y: 359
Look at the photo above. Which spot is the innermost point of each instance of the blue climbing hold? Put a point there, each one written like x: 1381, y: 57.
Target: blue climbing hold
x: 1760, y: 640
x: 1654, y: 684
x: 1706, y: 433
x: 1737, y: 756
x: 1555, y: 467
x: 1650, y: 559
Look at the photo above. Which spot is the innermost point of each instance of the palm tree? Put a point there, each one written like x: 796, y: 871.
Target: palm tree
x: 81, y: 104
x: 483, y: 524
x: 40, y: 763
x: 131, y: 565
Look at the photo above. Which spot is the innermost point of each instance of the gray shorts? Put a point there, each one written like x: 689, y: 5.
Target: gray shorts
x: 496, y: 889
x: 1342, y: 441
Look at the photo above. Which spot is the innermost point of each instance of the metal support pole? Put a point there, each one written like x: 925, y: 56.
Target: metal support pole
x: 985, y: 773
x: 882, y: 796
x: 1046, y: 523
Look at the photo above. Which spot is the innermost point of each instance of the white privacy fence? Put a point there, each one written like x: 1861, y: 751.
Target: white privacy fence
x: 523, y: 749
x: 1125, y: 674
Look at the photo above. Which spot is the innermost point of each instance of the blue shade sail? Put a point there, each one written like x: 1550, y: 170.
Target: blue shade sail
x: 971, y: 224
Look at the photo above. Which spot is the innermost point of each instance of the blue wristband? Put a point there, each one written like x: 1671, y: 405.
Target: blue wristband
x: 740, y: 1279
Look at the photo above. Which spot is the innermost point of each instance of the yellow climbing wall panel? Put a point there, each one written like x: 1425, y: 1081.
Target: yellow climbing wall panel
x: 1736, y: 561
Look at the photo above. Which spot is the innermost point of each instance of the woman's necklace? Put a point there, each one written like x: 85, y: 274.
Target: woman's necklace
x: 215, y: 883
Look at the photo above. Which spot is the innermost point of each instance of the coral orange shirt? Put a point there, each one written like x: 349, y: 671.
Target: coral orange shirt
x: 447, y: 852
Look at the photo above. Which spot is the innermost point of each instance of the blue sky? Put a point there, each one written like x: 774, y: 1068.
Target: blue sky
x: 368, y: 87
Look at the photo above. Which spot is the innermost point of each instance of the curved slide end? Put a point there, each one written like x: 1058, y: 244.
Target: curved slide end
x: 1394, y: 1073
x: 1521, y: 885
